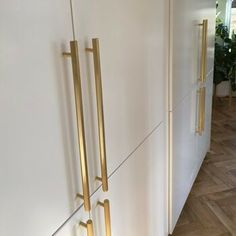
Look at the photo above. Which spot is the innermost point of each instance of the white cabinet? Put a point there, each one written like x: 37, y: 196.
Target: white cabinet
x: 39, y: 155
x: 184, y: 50
x: 186, y: 45
x: 37, y: 177
x: 183, y: 154
x: 133, y: 48
x: 187, y: 148
x: 206, y: 9
x: 137, y: 194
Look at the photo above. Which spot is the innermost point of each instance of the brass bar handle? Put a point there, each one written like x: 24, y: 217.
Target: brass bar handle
x: 88, y: 226
x: 204, y: 50
x: 199, y: 113
x: 106, y: 206
x: 203, y: 105
x: 202, y: 112
x: 100, y: 112
x: 74, y: 54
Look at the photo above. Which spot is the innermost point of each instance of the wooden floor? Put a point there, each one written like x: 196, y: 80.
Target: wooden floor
x: 211, y: 207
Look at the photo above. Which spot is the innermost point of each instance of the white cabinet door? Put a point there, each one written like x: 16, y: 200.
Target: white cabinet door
x: 187, y: 148
x: 137, y: 195
x: 183, y: 154
x: 37, y: 159
x: 138, y: 192
x: 133, y: 47
x: 186, y: 49
x: 206, y: 9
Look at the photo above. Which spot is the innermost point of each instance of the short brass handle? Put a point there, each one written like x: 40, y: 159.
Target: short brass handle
x: 106, y: 206
x: 74, y: 54
x: 204, y: 50
x: 100, y: 112
x: 202, y: 110
x: 89, y: 227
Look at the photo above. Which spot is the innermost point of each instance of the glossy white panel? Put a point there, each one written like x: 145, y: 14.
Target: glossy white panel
x: 186, y: 45
x: 184, y: 50
x: 138, y: 192
x: 133, y: 48
x: 37, y: 156
x: 187, y: 149
x: 207, y: 10
x: 137, y: 195
x: 184, y: 159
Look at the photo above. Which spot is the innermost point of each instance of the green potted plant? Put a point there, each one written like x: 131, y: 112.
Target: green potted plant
x: 225, y: 60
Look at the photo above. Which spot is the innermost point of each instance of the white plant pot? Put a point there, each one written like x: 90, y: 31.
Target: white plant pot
x: 223, y: 89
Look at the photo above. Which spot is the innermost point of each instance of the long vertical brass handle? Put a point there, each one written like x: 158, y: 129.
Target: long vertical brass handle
x: 100, y: 113
x: 106, y: 206
x: 202, y: 108
x: 88, y: 226
x: 74, y: 54
x: 204, y: 50
x: 199, y: 113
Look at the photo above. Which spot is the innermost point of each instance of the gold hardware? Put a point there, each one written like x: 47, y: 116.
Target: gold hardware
x: 67, y: 54
x: 199, y: 113
x: 204, y: 51
x: 98, y: 178
x: 89, y: 50
x: 203, y: 101
x: 106, y: 206
x: 88, y: 226
x: 100, y: 112
x: 202, y: 110
x: 79, y: 196
x: 80, y: 122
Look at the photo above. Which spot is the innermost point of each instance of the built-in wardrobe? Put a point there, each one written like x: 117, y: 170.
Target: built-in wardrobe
x: 192, y: 30
x: 83, y: 127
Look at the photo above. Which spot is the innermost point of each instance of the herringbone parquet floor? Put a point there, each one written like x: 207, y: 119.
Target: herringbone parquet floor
x: 211, y: 207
